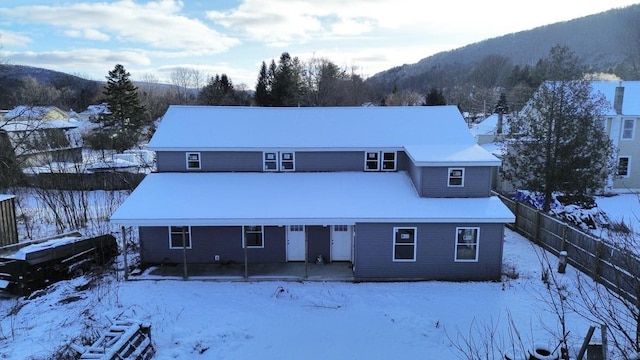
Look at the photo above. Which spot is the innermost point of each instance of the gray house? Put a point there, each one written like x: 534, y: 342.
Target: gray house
x: 398, y: 193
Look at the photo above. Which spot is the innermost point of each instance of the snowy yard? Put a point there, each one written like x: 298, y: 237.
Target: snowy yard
x: 309, y: 320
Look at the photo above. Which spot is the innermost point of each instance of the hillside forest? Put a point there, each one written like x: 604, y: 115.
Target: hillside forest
x: 473, y: 77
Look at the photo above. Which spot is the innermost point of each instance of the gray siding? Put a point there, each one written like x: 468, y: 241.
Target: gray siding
x: 415, y: 173
x: 434, y: 180
x: 404, y: 162
x: 319, y: 242
x: 330, y: 161
x: 225, y: 161
x: 208, y: 241
x: 172, y: 161
x: 435, y: 253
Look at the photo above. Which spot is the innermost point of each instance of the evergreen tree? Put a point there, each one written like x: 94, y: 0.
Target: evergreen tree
x: 127, y: 116
x: 218, y: 91
x: 501, y: 106
x: 558, y: 143
x: 435, y: 97
x: 262, y: 95
x: 287, y: 82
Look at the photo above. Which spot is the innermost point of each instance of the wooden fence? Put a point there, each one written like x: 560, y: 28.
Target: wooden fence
x: 615, y: 267
x: 81, y: 181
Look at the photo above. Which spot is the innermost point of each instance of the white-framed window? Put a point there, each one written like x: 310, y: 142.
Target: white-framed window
x: 388, y: 161
x: 628, y: 129
x: 624, y: 166
x: 279, y: 161
x: 467, y: 243
x: 296, y: 228
x: 380, y: 160
x: 404, y: 243
x: 193, y: 161
x: 372, y: 161
x: 341, y: 228
x: 270, y: 161
x: 252, y: 237
x: 456, y: 177
x: 179, y: 237
x: 287, y: 161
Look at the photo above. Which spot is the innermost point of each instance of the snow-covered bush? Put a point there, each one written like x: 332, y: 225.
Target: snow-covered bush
x: 581, y: 211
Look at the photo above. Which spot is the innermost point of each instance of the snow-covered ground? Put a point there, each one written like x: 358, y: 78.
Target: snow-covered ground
x: 310, y: 320
x: 298, y: 320
x: 622, y: 207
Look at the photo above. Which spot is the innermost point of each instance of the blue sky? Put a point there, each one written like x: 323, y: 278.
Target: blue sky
x: 88, y: 37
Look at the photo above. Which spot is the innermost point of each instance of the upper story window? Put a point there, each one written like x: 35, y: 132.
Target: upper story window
x: 623, y: 166
x: 380, y: 161
x: 287, y: 161
x: 179, y: 237
x: 279, y: 161
x: 467, y: 241
x: 628, y: 129
x: 404, y: 243
x: 193, y: 161
x: 456, y: 177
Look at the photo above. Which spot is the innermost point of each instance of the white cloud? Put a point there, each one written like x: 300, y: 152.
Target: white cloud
x: 284, y: 22
x: 155, y: 23
x: 9, y: 38
x: 96, y: 62
x: 89, y: 34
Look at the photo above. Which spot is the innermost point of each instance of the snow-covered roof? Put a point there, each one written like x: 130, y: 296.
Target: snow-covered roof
x: 631, y: 99
x: 489, y: 125
x: 451, y: 155
x: 324, y: 198
x: 427, y: 133
x: 96, y: 109
x: 30, y: 125
x: 219, y: 127
x: 36, y: 113
x: 4, y: 197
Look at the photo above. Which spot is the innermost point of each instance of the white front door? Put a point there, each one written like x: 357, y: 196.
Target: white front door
x: 295, y: 243
x: 341, y: 242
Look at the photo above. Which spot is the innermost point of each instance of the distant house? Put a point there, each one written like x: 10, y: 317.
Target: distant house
x: 8, y: 224
x: 41, y: 135
x: 621, y: 122
x: 399, y: 193
x: 93, y: 112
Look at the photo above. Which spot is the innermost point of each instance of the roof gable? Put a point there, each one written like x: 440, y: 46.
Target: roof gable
x: 238, y: 128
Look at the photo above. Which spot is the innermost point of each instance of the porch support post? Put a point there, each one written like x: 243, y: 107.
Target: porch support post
x: 246, y: 257
x: 246, y: 262
x: 184, y: 253
x: 306, y: 252
x: 124, y: 253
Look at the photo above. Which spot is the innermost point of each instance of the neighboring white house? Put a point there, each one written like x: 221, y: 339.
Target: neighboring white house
x: 41, y: 135
x: 621, y: 123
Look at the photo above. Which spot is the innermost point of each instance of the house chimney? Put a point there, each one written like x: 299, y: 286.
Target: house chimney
x: 499, y: 125
x: 619, y: 97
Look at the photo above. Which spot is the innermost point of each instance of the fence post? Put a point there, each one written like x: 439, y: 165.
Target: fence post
x: 597, y: 258
x: 603, y: 336
x: 537, y: 227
